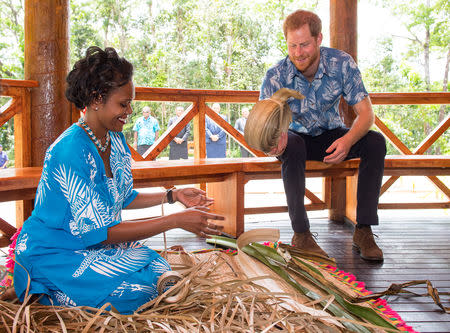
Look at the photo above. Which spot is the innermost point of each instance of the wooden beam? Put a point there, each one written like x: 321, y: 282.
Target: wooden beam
x: 230, y: 130
x: 343, y: 36
x: 414, y: 98
x: 199, y: 130
x: 433, y: 136
x: 170, y: 133
x: 47, y: 61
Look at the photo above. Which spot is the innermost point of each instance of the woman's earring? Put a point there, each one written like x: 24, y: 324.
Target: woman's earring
x: 96, y: 109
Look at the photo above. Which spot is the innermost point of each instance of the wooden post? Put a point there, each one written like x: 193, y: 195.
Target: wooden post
x: 46, y: 61
x: 199, y: 130
x: 199, y: 133
x: 22, y: 147
x: 229, y: 201
x: 343, y: 36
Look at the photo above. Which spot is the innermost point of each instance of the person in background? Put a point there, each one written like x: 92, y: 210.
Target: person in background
x: 178, y: 146
x: 324, y: 75
x: 145, y: 131
x: 239, y: 126
x: 216, y: 143
x: 75, y: 249
x: 3, y: 158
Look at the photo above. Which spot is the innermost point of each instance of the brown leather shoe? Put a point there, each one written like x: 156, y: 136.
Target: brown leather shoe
x: 364, y: 243
x: 305, y: 241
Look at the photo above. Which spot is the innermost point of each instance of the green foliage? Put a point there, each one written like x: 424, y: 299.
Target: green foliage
x: 212, y: 44
x: 11, y: 39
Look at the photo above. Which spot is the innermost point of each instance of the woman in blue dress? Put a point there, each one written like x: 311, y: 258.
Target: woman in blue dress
x: 75, y: 248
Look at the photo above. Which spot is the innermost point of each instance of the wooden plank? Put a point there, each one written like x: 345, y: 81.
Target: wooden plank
x: 163, y: 141
x: 22, y: 153
x: 388, y: 183
x: 230, y: 130
x: 351, y: 198
x: 337, y: 204
x: 199, y: 130
x: 415, y: 205
x: 192, y: 95
x: 417, y: 161
x: 7, y: 229
x: 440, y: 185
x: 229, y: 202
x: 410, y: 98
x: 10, y: 83
x: 10, y: 109
x: 433, y: 136
x: 391, y: 137
x: 311, y: 196
x: 281, y: 209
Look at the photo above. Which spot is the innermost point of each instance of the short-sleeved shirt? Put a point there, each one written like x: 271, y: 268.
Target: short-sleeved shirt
x: 337, y: 75
x: 146, y: 129
x: 60, y: 245
x: 3, y: 158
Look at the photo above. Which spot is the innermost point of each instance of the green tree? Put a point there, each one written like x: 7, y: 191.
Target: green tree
x: 11, y: 39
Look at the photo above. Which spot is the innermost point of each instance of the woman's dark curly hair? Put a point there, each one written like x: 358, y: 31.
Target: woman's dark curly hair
x: 96, y: 76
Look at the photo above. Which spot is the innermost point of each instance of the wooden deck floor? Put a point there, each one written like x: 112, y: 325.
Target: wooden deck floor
x: 414, y: 248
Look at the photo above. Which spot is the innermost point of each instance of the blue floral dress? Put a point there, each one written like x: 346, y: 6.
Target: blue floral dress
x: 60, y: 245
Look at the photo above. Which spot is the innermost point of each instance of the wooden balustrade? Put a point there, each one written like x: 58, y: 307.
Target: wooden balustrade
x: 19, y: 108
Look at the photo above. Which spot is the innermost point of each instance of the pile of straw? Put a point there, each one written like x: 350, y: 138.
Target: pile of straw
x: 214, y: 298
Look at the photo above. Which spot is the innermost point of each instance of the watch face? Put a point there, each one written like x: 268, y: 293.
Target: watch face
x: 170, y: 196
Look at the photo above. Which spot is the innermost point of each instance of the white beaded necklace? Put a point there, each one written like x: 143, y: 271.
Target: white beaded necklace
x: 91, y: 134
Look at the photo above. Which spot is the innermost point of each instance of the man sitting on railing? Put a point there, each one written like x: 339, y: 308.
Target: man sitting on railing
x: 324, y: 75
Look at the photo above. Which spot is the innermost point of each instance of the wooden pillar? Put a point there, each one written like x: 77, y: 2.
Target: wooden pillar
x: 199, y: 133
x: 343, y: 36
x: 47, y: 61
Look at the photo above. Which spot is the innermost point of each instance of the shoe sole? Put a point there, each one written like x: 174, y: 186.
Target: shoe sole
x: 358, y: 249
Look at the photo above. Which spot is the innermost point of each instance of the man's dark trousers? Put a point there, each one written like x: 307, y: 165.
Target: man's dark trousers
x: 371, y: 149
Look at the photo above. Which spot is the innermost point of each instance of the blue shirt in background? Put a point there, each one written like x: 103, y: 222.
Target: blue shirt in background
x: 146, y: 130
x: 3, y: 158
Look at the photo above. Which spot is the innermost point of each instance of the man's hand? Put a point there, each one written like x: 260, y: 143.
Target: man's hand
x: 338, y: 151
x: 178, y: 140
x: 214, y: 137
x: 192, y: 197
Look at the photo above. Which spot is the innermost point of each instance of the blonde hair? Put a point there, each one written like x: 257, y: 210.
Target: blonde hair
x: 268, y: 119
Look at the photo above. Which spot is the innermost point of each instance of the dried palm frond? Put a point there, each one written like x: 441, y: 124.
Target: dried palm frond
x: 306, y: 279
x: 217, y: 301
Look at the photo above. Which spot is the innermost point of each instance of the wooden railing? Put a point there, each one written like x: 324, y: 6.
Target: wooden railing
x: 199, y: 109
x: 19, y: 108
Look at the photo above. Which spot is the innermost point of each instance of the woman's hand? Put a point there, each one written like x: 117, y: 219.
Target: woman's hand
x: 191, y: 197
x: 196, y: 220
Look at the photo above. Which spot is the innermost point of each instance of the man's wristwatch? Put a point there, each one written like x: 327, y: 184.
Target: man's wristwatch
x: 169, y: 194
